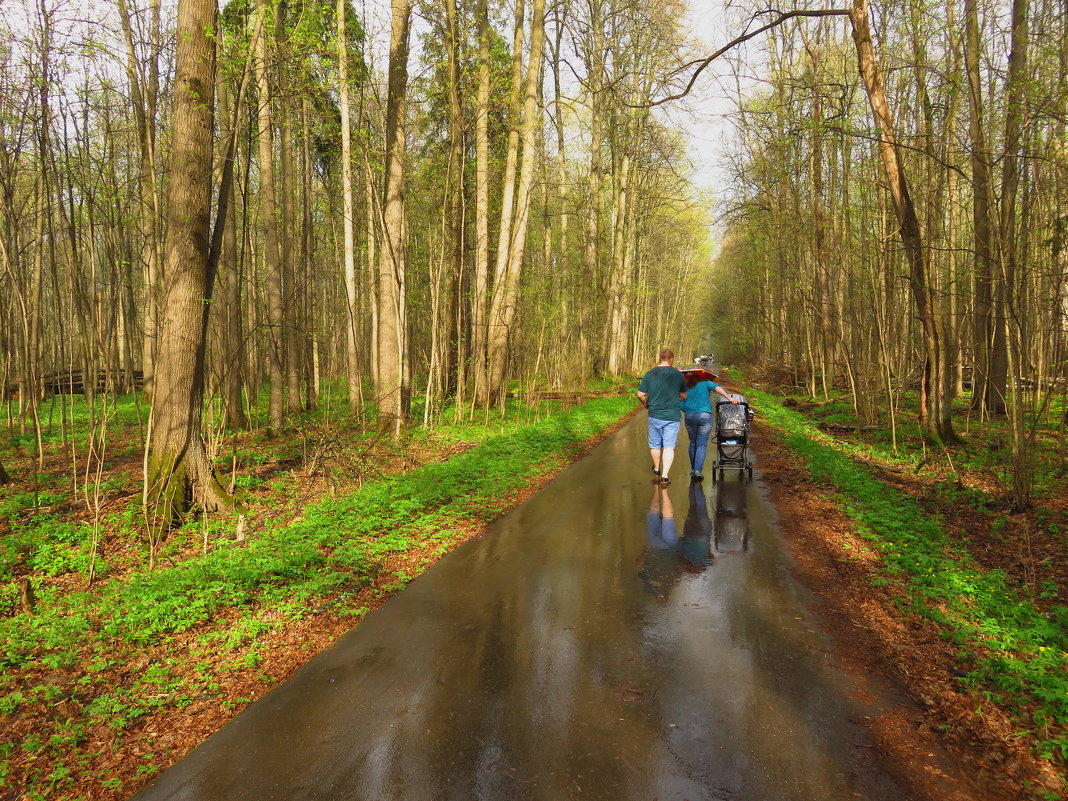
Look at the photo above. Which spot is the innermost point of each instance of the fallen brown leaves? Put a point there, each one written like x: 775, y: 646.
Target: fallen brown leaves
x: 944, y: 743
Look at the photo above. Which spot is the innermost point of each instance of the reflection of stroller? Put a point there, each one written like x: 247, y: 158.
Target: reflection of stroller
x: 732, y: 521
x: 732, y: 437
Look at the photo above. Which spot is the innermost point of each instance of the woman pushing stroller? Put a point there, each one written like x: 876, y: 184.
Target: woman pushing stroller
x: 697, y: 408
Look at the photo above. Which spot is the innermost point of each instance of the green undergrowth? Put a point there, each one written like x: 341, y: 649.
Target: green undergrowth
x: 986, y: 450
x: 1011, y: 651
x: 229, y: 599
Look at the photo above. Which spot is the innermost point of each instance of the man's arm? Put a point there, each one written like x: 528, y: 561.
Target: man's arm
x: 643, y: 397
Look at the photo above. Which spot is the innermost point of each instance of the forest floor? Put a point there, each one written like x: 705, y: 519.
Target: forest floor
x: 872, y: 620
x: 60, y: 741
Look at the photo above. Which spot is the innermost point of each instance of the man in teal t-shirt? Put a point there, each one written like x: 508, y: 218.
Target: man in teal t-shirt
x: 662, y: 391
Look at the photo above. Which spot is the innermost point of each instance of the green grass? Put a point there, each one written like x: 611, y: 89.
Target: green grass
x: 336, y: 545
x: 1012, y: 652
x: 278, y: 575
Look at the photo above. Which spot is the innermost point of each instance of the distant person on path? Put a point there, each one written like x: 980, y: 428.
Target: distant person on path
x: 697, y: 407
x: 662, y: 391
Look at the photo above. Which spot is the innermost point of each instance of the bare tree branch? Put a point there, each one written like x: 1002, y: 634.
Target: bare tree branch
x: 702, y: 64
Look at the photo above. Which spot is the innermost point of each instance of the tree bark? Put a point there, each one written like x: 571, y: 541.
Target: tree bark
x: 505, y: 229
x: 595, y: 68
x: 178, y: 469
x: 506, y: 287
x: 480, y: 287
x: 988, y: 382
x: 1022, y: 474
x: 392, y: 390
x: 272, y: 254
x: 144, y: 97
x: 228, y: 311
x: 454, y: 192
x: 348, y: 215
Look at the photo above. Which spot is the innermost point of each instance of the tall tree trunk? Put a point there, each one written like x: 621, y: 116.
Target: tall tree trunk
x: 938, y: 419
x: 480, y: 286
x: 825, y: 309
x: 272, y: 256
x: 1015, y: 85
x: 291, y: 288
x: 618, y: 284
x: 144, y: 96
x: 231, y: 349
x: 987, y: 384
x: 352, y: 355
x: 309, y: 306
x: 179, y: 471
x: 454, y: 183
x: 506, y: 287
x: 505, y: 228
x: 595, y: 68
x: 392, y: 390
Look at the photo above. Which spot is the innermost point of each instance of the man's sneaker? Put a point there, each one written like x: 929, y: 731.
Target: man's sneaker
x: 696, y: 477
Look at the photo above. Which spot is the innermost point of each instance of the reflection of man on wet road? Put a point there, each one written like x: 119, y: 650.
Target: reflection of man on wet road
x: 662, y: 391
x: 658, y: 568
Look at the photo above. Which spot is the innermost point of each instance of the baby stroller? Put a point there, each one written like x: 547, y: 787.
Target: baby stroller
x: 732, y: 437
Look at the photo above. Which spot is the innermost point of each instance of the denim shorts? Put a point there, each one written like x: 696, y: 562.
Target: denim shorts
x: 663, y: 433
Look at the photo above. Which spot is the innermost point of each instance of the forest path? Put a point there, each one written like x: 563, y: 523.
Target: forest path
x: 577, y: 651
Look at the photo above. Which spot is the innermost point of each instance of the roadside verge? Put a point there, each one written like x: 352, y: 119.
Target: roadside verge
x: 989, y: 670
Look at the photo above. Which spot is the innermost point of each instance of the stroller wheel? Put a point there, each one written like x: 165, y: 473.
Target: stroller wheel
x: 749, y: 470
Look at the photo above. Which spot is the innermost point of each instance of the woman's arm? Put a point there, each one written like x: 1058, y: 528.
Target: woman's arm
x: 720, y: 390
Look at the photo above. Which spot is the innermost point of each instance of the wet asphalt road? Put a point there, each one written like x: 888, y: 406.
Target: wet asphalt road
x: 606, y: 640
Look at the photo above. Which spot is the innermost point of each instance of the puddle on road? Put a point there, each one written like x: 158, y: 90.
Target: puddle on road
x: 609, y: 639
